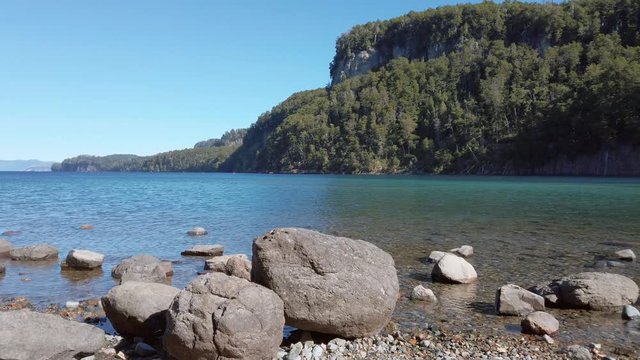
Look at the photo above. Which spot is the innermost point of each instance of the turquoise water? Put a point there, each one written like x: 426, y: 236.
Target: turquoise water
x: 524, y: 230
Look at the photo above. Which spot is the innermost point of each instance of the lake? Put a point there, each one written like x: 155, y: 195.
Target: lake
x: 525, y: 230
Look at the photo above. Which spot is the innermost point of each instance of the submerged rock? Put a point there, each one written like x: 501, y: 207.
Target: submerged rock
x: 138, y: 308
x: 421, y: 293
x: 34, y: 253
x: 453, y: 269
x: 590, y: 290
x: 28, y: 335
x: 223, y: 317
x: 513, y: 300
x: 204, y: 250
x: 197, y: 231
x: 329, y: 284
x: 540, y: 323
x: 84, y: 259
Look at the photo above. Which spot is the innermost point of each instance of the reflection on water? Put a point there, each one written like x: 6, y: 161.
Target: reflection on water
x: 81, y: 277
x: 524, y: 231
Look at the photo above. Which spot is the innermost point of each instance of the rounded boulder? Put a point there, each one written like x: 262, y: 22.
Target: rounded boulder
x: 453, y: 269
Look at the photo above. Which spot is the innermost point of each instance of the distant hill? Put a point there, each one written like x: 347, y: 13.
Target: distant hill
x: 25, y: 165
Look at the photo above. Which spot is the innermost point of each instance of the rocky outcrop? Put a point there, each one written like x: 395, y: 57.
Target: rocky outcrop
x: 27, y: 335
x: 513, y: 300
x: 204, y: 250
x: 590, y: 290
x: 34, y: 253
x: 234, y: 265
x: 5, y: 247
x: 453, y: 269
x: 540, y: 323
x: 84, y: 260
x: 223, y: 317
x: 138, y: 308
x: 329, y: 284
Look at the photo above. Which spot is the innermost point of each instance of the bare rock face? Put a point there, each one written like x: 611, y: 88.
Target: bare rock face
x: 28, y: 335
x: 139, y: 260
x: 234, y: 265
x: 84, y: 259
x: 37, y: 252
x: 329, y: 284
x: 513, y: 300
x: 453, y: 269
x: 223, y: 317
x: 138, y: 308
x: 589, y: 290
x: 204, y: 250
x: 540, y: 323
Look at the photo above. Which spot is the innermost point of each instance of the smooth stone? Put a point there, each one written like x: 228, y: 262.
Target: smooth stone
x: 151, y: 273
x: 589, y: 290
x: 577, y: 352
x: 125, y: 264
x: 435, y: 256
x: 630, y: 313
x: 10, y: 233
x: 626, y: 255
x: 540, y: 323
x: 224, y: 317
x: 237, y: 265
x: 36, y: 252
x: 138, y: 308
x: 28, y: 335
x: 84, y: 259
x: 548, y: 339
x: 204, y: 250
x: 513, y: 300
x: 197, y: 231
x: 453, y: 269
x: 421, y: 293
x: 86, y: 227
x: 464, y: 250
x: 5, y: 246
x: 329, y: 284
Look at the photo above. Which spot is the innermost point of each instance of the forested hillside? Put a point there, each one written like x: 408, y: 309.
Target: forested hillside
x: 205, y: 156
x: 513, y: 88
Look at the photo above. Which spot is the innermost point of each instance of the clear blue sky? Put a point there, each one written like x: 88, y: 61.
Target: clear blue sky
x: 104, y: 77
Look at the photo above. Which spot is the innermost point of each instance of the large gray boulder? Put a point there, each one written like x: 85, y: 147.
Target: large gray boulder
x: 138, y: 308
x: 589, y: 290
x: 234, y: 265
x: 138, y: 260
x: 223, y: 317
x: 5, y: 247
x: 28, y: 335
x: 84, y: 259
x: 453, y: 269
x: 34, y: 253
x: 513, y: 300
x: 329, y: 284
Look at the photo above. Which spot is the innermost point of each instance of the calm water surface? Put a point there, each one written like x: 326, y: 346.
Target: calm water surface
x: 524, y: 230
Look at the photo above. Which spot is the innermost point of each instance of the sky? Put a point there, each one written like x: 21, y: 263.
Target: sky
x: 146, y: 76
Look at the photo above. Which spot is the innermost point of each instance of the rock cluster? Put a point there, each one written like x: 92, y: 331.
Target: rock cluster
x: 421, y: 293
x: 332, y: 285
x: 540, y: 323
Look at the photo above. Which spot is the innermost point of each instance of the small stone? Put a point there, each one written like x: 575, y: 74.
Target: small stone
x: 464, y: 250
x: 72, y: 304
x: 630, y: 313
x: 577, y: 352
x: 86, y: 227
x: 626, y: 255
x: 548, y: 339
x: 144, y: 349
x: 435, y: 256
x: 421, y: 293
x: 197, y: 231
x: 317, y: 351
x: 425, y: 343
x: 84, y: 259
x: 204, y: 250
x: 540, y: 323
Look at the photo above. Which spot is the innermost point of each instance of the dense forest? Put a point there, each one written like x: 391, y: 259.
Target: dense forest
x: 205, y: 156
x: 511, y: 88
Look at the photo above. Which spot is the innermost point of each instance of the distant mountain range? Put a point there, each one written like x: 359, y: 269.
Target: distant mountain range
x: 25, y: 165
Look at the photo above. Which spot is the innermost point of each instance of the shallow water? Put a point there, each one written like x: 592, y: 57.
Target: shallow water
x: 524, y: 230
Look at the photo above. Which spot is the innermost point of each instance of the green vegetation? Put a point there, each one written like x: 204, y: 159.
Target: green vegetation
x: 522, y: 85
x: 487, y: 88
